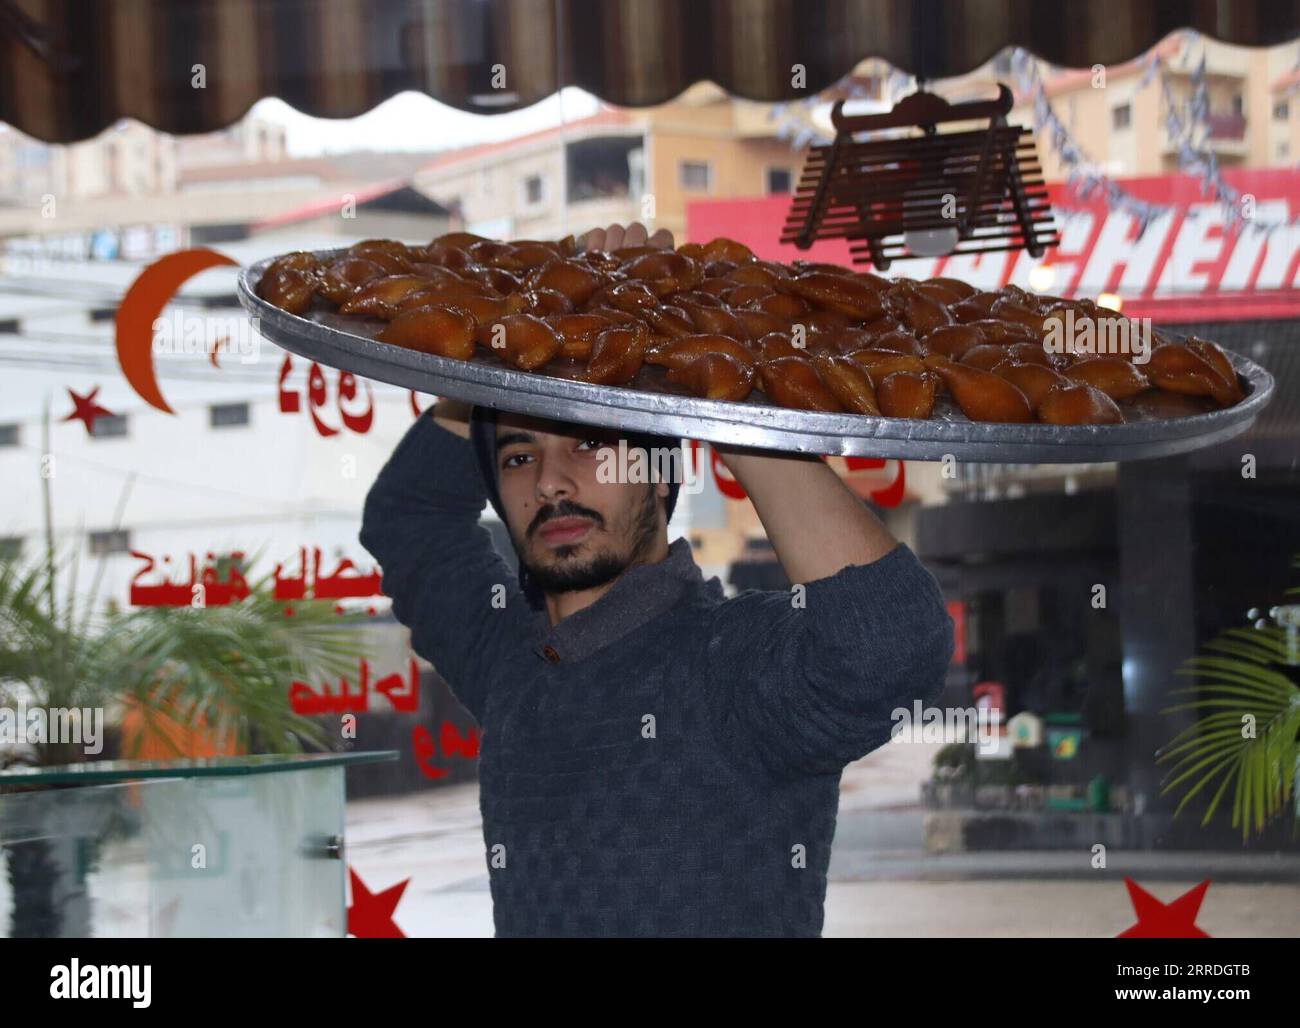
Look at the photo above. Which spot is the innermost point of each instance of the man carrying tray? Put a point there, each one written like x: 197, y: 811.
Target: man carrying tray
x: 657, y: 759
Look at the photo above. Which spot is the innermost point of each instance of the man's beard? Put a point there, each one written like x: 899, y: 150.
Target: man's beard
x: 602, y: 568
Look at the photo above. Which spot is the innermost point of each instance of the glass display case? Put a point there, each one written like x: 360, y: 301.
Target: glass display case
x: 221, y: 847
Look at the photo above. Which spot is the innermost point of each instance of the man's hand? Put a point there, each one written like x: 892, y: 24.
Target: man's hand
x: 453, y: 415
x: 616, y: 237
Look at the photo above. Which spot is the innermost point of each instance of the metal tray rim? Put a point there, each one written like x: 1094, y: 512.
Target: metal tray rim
x: 731, y: 422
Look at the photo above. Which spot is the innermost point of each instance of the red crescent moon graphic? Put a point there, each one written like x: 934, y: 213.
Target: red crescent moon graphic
x: 142, y: 305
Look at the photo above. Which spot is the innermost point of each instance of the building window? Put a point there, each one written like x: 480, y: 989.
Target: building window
x: 1281, y: 110
x: 1238, y: 104
x: 779, y: 180
x: 534, y: 189
x: 227, y: 415
x: 9, y: 434
x: 11, y: 547
x: 696, y: 175
x: 117, y: 540
x: 109, y: 426
x: 1121, y: 117
x: 1283, y: 150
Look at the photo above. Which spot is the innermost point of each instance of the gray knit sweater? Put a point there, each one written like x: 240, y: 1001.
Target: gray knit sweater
x: 665, y: 762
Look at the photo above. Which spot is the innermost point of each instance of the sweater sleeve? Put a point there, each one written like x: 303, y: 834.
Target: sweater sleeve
x: 807, y: 684
x: 448, y: 584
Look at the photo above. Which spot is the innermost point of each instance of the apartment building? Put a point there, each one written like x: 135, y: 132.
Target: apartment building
x: 616, y: 166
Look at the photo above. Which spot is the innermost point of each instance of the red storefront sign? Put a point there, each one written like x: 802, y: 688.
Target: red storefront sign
x: 1187, y: 266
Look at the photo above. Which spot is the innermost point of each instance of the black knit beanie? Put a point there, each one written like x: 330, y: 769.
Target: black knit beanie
x: 483, y: 434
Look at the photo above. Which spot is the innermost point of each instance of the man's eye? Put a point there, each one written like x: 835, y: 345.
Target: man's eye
x: 594, y: 444
x: 508, y: 461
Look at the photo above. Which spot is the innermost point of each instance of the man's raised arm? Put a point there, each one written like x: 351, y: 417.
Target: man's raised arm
x: 439, y: 565
x: 806, y: 682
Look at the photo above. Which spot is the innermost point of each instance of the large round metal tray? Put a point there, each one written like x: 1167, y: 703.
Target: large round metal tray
x: 347, y: 343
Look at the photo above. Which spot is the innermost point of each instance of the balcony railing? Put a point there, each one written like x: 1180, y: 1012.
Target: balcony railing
x: 1226, y: 126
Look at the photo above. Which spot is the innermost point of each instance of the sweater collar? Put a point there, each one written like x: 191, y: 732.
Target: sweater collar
x: 638, y: 596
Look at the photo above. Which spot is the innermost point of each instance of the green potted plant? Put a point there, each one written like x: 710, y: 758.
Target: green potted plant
x: 1247, y: 737
x: 223, y: 671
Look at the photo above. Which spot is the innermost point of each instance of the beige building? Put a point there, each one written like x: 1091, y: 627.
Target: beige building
x: 1120, y: 122
x: 616, y: 166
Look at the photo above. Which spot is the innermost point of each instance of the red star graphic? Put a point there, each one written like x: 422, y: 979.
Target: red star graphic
x: 371, y: 914
x: 86, y: 409
x: 1156, y: 920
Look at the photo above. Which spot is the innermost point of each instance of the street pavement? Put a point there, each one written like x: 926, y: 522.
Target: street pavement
x: 882, y: 883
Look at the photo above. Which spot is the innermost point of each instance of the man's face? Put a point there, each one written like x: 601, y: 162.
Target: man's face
x: 572, y: 530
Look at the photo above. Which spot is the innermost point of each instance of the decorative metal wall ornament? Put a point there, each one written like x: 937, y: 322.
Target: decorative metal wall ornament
x: 894, y: 197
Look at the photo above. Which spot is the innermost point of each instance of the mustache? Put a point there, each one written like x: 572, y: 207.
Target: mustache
x: 563, y: 509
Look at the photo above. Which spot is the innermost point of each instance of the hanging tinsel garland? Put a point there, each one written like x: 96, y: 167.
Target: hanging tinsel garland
x: 1187, y: 125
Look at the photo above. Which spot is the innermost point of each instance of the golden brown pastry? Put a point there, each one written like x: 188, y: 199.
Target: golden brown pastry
x: 1218, y: 360
x: 850, y: 383
x: 441, y: 330
x: 575, y: 280
x: 982, y: 395
x: 901, y: 341
x: 577, y: 333
x: 838, y: 293
x: 715, y: 376
x: 1114, y: 376
x: 921, y: 313
x: 986, y: 356
x: 996, y: 330
x: 290, y: 289
x: 665, y: 271
x: 1180, y: 369
x: 953, y: 340
x: 677, y: 353
x: 880, y: 363
x: 1034, y: 380
x: 794, y: 382
x: 344, y: 277
x: 524, y: 340
x: 617, y: 354
x: 906, y: 394
x: 1079, y: 404
x: 381, y: 297
x: 778, y: 344
x: 759, y: 323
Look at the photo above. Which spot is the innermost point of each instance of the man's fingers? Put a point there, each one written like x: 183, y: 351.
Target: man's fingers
x: 635, y: 235
x: 616, y: 237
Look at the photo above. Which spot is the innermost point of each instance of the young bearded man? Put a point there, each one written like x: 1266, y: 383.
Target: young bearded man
x: 657, y: 759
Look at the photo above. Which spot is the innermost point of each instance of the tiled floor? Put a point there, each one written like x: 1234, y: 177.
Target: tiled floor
x: 882, y: 883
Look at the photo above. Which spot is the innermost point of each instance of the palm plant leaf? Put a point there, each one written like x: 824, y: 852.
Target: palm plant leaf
x: 1246, y: 679
x: 224, y: 669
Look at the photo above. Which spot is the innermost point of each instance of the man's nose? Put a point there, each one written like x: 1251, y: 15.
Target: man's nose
x: 554, y: 482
